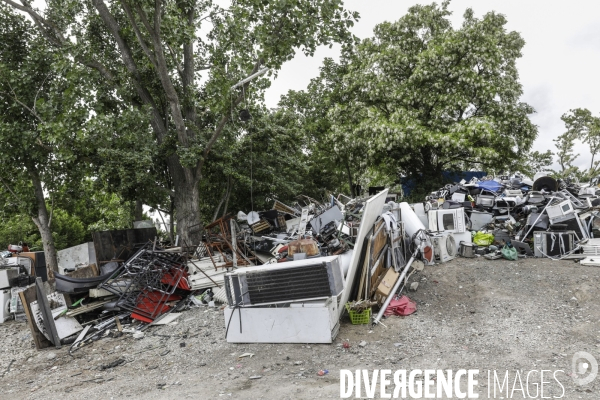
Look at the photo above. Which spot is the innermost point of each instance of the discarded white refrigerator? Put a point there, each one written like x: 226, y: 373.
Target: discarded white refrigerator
x: 302, y: 322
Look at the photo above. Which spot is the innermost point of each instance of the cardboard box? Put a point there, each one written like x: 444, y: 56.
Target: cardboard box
x: 385, y: 285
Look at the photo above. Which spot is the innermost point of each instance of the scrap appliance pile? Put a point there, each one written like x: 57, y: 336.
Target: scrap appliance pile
x: 137, y: 285
x: 515, y: 217
x: 289, y: 274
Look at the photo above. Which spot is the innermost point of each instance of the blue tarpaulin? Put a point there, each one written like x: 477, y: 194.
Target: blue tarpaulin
x: 492, y: 186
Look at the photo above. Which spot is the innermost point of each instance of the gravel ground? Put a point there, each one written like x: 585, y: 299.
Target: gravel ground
x: 532, y: 314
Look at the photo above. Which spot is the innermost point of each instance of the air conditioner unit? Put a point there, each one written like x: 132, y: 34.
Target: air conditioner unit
x: 552, y: 244
x: 450, y: 220
x: 313, y: 278
x: 444, y: 247
x: 561, y: 209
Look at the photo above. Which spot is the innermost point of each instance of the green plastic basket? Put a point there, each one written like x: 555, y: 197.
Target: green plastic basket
x: 359, y: 318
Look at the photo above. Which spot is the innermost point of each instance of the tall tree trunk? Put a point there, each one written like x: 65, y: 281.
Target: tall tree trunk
x: 352, y: 194
x: 187, y: 200
x: 187, y: 203
x: 41, y: 221
x: 139, y: 210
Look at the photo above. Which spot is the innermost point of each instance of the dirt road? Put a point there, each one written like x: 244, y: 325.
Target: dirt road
x: 529, y: 315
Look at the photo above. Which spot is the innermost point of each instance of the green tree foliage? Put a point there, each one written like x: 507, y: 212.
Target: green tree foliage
x: 535, y: 161
x: 581, y: 125
x: 176, y: 61
x: 42, y: 113
x: 16, y: 228
x: 260, y: 160
x: 330, y: 167
x: 565, y: 144
x: 421, y: 97
x: 82, y: 211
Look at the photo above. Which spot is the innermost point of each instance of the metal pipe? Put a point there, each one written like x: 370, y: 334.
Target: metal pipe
x: 396, y: 287
x: 248, y: 79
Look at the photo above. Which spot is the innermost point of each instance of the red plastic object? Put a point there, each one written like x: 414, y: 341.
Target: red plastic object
x: 402, y: 307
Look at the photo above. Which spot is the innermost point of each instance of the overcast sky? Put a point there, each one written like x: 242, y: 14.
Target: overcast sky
x: 559, y: 69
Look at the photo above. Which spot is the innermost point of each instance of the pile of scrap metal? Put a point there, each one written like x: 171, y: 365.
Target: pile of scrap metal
x: 319, y: 260
x: 542, y: 218
x: 294, y: 258
x: 307, y: 230
x: 18, y: 269
x: 137, y: 285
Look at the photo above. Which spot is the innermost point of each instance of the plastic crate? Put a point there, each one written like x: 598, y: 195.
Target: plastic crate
x: 359, y: 318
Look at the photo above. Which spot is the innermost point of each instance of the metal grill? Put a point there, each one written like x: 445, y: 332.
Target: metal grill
x: 284, y: 285
x: 147, y: 281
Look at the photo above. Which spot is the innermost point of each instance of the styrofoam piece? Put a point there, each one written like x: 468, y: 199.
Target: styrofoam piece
x: 253, y: 217
x: 372, y: 210
x: 292, y: 224
x: 308, y: 322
